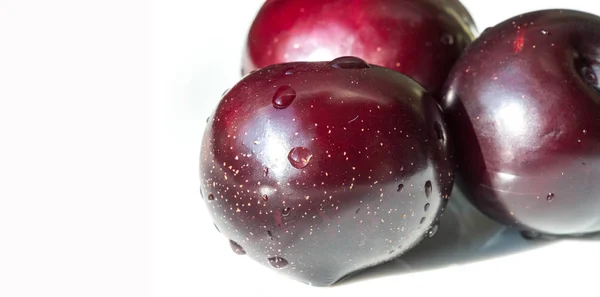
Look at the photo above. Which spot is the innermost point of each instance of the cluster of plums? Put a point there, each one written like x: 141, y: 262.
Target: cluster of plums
x: 322, y: 169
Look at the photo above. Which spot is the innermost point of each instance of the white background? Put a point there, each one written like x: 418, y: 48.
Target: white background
x: 102, y: 108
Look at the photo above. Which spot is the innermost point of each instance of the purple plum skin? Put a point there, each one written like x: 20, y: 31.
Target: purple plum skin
x: 322, y: 169
x: 523, y: 107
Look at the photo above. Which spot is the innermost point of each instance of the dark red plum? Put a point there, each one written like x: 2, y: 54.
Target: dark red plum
x: 420, y: 38
x: 321, y: 169
x: 523, y: 106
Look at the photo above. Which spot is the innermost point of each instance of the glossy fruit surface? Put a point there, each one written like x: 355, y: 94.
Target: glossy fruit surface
x: 320, y: 169
x: 523, y: 104
x: 419, y: 38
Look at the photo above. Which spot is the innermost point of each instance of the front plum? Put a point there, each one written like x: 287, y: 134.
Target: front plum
x: 321, y: 169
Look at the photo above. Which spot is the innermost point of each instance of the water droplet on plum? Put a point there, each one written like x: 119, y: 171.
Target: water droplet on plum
x: 438, y: 131
x: 433, y: 230
x: 236, y: 248
x: 400, y: 187
x: 284, y: 97
x: 349, y: 63
x: 278, y: 262
x: 299, y: 157
x: 428, y: 188
x: 589, y: 75
x: 530, y: 235
x: 447, y: 39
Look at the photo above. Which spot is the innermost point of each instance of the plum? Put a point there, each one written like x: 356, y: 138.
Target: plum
x: 322, y: 169
x: 523, y: 107
x: 420, y: 38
